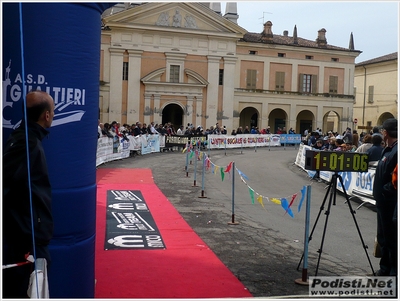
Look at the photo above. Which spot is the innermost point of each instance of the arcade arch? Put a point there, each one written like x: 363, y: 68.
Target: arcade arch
x: 277, y: 118
x: 249, y: 117
x: 331, y: 122
x: 383, y: 117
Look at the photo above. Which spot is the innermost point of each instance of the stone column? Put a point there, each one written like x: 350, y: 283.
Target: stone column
x: 116, y: 60
x: 212, y: 89
x: 134, y: 97
x: 147, y: 109
x: 228, y: 91
x: 199, y: 113
x: 157, y: 118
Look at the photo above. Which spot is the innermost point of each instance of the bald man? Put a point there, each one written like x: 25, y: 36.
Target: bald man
x: 17, y: 222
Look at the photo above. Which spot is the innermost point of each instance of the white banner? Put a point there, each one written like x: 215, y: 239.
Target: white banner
x: 243, y: 140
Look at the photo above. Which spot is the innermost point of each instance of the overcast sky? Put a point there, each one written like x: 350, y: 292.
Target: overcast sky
x: 375, y: 25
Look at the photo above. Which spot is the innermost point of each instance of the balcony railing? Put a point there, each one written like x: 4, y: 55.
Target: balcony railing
x: 294, y: 93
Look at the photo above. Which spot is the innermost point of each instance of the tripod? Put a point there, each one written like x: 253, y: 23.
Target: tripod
x: 332, y: 198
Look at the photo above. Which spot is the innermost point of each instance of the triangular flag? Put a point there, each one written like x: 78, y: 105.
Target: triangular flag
x: 303, y: 193
x: 222, y: 173
x: 251, y: 195
x: 276, y: 201
x: 285, y: 206
x: 292, y: 200
x: 228, y: 168
x: 191, y: 155
x: 215, y: 169
x: 242, y: 175
x: 260, y: 200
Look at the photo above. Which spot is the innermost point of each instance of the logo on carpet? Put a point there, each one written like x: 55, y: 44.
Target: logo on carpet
x: 130, y: 224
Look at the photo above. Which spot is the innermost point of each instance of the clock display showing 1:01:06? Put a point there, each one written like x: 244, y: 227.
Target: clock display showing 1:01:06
x: 340, y: 161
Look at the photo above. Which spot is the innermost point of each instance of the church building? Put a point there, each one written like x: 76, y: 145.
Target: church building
x: 189, y: 63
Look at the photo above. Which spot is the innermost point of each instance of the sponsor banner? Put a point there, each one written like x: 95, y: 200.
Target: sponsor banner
x: 243, y: 140
x: 357, y: 184
x: 129, y: 223
x: 290, y: 138
x: 150, y: 144
x: 353, y: 286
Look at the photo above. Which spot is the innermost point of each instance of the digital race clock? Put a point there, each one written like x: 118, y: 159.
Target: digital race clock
x: 336, y: 161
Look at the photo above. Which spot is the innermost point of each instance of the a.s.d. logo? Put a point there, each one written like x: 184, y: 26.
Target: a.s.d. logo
x: 69, y: 101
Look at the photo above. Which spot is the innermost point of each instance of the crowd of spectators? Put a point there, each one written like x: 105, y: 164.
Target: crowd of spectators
x: 124, y: 131
x: 371, y: 143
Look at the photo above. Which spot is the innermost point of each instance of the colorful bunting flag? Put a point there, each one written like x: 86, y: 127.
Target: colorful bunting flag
x: 222, y: 173
x: 260, y: 200
x: 276, y: 201
x: 303, y: 193
x: 251, y: 195
x: 228, y: 168
x: 292, y: 200
x: 242, y: 174
x: 285, y: 206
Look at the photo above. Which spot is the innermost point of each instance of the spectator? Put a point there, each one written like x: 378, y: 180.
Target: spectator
x: 355, y: 138
x: 347, y: 136
x: 18, y: 239
x: 246, y: 130
x: 367, y: 144
x: 375, y: 151
x: 180, y: 131
x: 239, y: 130
x: 385, y: 195
x: 137, y: 130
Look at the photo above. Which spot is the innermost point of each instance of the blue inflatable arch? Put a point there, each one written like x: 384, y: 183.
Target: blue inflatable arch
x: 61, y: 55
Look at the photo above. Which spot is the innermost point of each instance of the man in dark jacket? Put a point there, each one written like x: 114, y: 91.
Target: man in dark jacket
x: 20, y: 198
x: 385, y: 195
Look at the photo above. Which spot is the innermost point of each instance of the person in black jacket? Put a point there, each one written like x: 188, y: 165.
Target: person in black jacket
x: 385, y: 195
x: 19, y: 201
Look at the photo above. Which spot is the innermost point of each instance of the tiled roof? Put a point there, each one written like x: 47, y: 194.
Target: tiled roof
x: 384, y: 58
x: 287, y: 40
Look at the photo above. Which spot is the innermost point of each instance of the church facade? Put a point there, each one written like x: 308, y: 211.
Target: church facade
x: 187, y: 63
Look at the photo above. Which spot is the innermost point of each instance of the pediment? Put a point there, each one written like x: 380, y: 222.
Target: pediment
x: 193, y: 76
x: 173, y: 16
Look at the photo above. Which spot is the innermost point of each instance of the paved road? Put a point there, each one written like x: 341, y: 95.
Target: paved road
x: 263, y: 250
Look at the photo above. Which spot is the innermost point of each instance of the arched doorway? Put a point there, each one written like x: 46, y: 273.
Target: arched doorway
x: 331, y: 122
x: 249, y: 117
x: 305, y: 121
x: 277, y: 118
x: 172, y: 113
x: 383, y: 117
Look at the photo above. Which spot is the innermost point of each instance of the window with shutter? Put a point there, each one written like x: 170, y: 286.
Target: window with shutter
x: 333, y: 84
x: 279, y: 81
x: 251, y: 79
x: 371, y: 94
x: 308, y: 83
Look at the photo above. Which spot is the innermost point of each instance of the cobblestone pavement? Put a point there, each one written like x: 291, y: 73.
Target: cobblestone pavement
x: 264, y: 249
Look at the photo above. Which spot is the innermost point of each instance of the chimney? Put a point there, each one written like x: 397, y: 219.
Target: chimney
x: 351, y: 43
x: 267, y: 35
x: 216, y: 6
x: 285, y: 33
x: 231, y: 12
x: 295, y: 35
x: 321, y: 40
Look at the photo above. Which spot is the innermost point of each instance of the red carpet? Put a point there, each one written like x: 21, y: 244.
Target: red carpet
x: 187, y: 268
